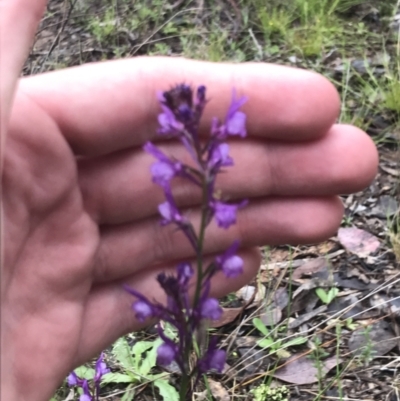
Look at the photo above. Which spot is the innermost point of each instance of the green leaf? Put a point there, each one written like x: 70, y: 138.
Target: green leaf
x: 265, y: 343
x: 85, y: 372
x: 149, y: 361
x: 118, y: 378
x: 295, y: 341
x: 167, y: 392
x: 260, y: 326
x: 327, y: 296
x: 332, y: 294
x: 122, y: 352
x: 145, y: 354
x: 322, y: 294
x: 130, y: 393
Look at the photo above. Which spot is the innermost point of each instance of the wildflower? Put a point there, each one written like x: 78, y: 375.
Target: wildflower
x: 182, y: 109
x: 213, y: 360
x: 142, y: 307
x: 235, y: 120
x: 216, y: 360
x: 166, y: 353
x: 210, y: 309
x: 86, y: 396
x: 165, y: 169
x: 88, y: 393
x: 100, y: 368
x: 185, y: 273
x: 225, y: 213
x: 170, y: 212
x: 143, y: 310
x: 219, y: 156
x: 73, y: 379
x: 229, y: 262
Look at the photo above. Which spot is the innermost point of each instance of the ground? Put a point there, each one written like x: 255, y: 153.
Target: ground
x: 320, y: 322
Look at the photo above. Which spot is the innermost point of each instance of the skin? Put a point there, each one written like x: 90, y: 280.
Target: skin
x: 79, y: 211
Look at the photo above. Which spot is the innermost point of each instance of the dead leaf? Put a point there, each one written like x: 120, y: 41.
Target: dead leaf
x: 247, y: 292
x: 351, y: 282
x: 391, y: 171
x: 357, y: 241
x: 246, y: 341
x: 307, y: 316
x: 387, y: 206
x: 271, y: 316
x: 310, y: 267
x: 300, y: 369
x: 219, y: 392
x: 251, y: 294
x: 280, y: 298
x: 228, y: 316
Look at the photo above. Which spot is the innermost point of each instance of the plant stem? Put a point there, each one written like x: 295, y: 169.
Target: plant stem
x: 183, y: 387
x: 200, y: 242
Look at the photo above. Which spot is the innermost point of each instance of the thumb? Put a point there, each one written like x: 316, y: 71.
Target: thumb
x: 18, y: 22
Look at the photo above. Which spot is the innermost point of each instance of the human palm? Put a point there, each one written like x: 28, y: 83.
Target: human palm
x: 80, y: 211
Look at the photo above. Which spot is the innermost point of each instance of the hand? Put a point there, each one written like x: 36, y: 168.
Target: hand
x: 79, y: 208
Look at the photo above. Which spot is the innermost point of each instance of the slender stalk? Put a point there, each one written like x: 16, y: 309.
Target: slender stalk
x: 200, y: 242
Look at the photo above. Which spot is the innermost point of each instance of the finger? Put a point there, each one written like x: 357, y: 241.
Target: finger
x: 18, y: 22
x: 118, y: 188
x: 109, y: 313
x: 129, y: 248
x: 112, y: 106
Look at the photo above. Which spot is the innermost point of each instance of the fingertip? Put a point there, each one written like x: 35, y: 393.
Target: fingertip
x: 362, y: 156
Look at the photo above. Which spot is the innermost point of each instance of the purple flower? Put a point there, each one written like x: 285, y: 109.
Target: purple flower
x: 182, y: 108
x: 168, y: 123
x: 86, y: 396
x: 225, y: 214
x: 229, y: 262
x: 166, y: 354
x: 201, y: 95
x: 185, y: 273
x: 214, y: 359
x: 179, y: 100
x: 210, y: 309
x: 163, y: 173
x: 74, y: 380
x: 143, y: 310
x: 100, y: 368
x: 165, y: 169
x: 142, y: 306
x: 217, y: 360
x: 219, y: 156
x: 235, y: 121
x: 169, y: 212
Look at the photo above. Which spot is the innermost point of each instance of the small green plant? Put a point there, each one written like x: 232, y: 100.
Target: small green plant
x: 317, y: 355
x: 327, y: 296
x: 103, y: 27
x: 349, y: 324
x: 264, y: 392
x: 347, y: 221
x: 137, y: 363
x: 275, y: 22
x: 366, y: 354
x: 272, y: 343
